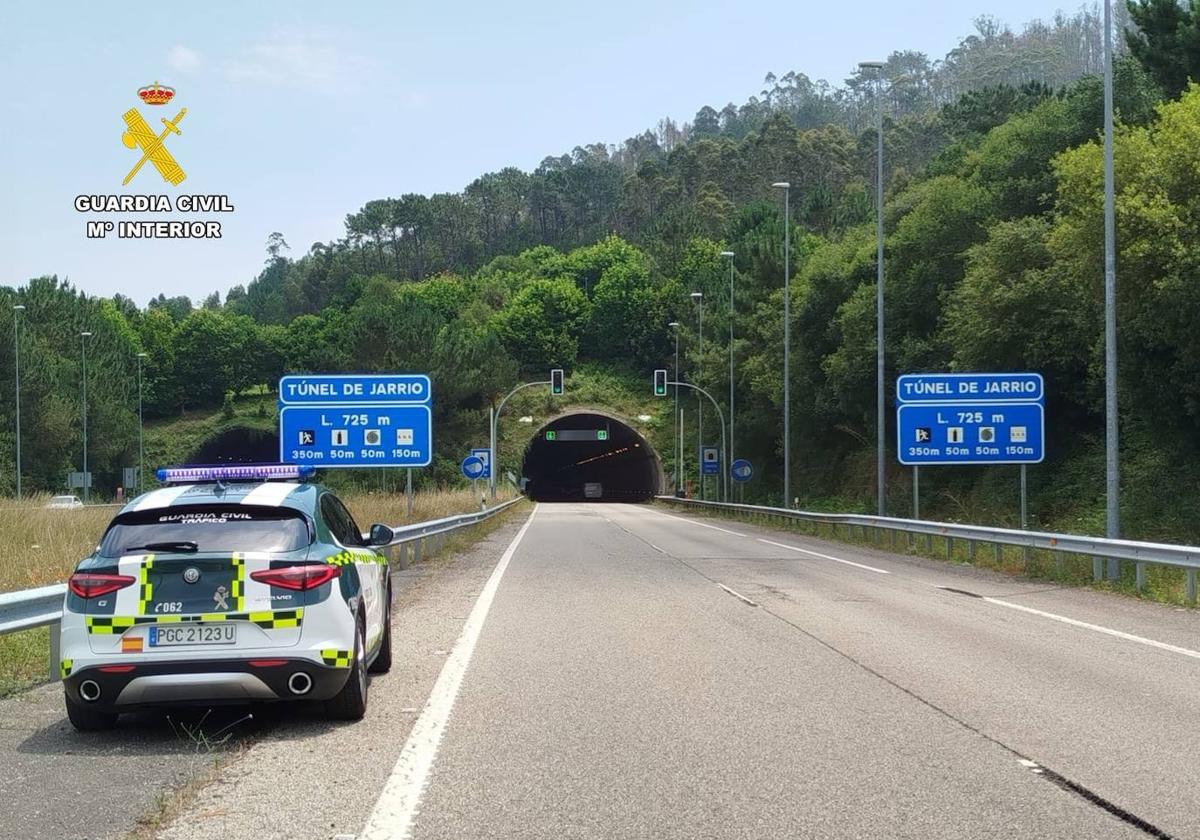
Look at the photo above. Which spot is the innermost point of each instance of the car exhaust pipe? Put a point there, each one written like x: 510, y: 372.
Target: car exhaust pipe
x: 89, y: 690
x: 300, y: 683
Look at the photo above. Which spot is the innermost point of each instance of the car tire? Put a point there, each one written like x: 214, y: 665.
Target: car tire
x: 383, y: 659
x: 351, y: 702
x: 86, y: 719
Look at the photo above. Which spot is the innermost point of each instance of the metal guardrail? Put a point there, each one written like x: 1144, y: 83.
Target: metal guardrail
x: 29, y: 608
x: 1099, y: 548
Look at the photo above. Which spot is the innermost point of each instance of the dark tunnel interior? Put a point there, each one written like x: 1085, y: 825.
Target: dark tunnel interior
x: 238, y: 446
x: 590, y: 457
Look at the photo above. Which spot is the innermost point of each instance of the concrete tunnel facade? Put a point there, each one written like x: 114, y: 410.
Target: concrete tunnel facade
x: 591, y: 455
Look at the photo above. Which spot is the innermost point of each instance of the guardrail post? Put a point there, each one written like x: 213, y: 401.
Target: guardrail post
x: 929, y: 543
x: 1097, y: 569
x: 997, y: 553
x: 55, y: 651
x: 971, y: 551
x: 1191, y: 587
x: 949, y: 548
x: 1141, y: 576
x: 416, y: 548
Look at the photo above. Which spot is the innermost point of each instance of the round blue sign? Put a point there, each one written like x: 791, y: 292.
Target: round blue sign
x: 741, y: 470
x: 472, y: 467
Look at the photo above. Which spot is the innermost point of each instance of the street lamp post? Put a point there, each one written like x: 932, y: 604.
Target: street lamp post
x: 17, y: 310
x: 698, y: 297
x: 729, y: 256
x: 141, y: 357
x: 675, y: 419
x: 1111, y: 452
x: 878, y: 66
x: 787, y: 340
x: 83, y: 337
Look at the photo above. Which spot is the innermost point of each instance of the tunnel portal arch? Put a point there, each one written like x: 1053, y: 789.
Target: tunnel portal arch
x: 593, y: 455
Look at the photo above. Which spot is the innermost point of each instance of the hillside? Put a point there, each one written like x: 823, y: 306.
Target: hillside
x: 992, y: 259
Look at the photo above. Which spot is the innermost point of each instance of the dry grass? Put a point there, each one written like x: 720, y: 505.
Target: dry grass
x: 392, y: 509
x: 40, y: 546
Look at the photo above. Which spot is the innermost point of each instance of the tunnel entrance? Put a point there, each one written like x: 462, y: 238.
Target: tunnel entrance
x: 239, y: 445
x: 586, y: 456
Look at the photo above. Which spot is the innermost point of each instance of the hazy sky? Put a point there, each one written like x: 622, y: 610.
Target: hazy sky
x: 301, y: 112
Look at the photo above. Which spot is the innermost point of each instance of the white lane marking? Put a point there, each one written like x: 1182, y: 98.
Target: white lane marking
x: 393, y: 814
x: 1108, y: 631
x: 825, y: 556
x: 737, y: 595
x: 701, y: 524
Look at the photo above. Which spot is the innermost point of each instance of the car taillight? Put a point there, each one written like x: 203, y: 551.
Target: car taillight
x: 95, y: 584
x: 308, y: 576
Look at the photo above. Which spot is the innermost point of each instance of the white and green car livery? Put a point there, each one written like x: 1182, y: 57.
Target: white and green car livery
x: 221, y: 591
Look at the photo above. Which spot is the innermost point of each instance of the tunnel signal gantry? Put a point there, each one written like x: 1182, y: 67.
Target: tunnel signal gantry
x: 556, y: 389
x: 661, y: 383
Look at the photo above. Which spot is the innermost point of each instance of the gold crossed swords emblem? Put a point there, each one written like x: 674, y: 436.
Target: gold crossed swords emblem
x: 153, y: 150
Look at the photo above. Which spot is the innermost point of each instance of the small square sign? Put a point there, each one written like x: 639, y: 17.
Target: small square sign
x: 924, y: 434
x: 954, y: 434
x: 372, y: 437
x: 404, y: 437
x: 340, y: 437
x: 306, y: 437
x: 1018, y: 434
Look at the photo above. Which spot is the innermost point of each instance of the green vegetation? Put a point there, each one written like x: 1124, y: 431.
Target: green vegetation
x: 993, y: 258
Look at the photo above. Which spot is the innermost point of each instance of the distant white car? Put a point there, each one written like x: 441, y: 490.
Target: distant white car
x: 64, y: 502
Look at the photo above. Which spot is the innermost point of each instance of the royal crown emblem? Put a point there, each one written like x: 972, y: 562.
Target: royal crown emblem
x: 156, y: 94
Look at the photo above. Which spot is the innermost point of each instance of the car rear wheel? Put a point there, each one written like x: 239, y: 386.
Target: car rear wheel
x: 86, y: 719
x: 351, y: 702
x: 383, y: 660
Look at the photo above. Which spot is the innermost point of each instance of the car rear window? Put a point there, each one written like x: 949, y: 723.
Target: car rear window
x: 210, y: 527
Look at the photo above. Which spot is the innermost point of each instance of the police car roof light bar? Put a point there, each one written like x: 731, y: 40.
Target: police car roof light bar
x: 235, y: 472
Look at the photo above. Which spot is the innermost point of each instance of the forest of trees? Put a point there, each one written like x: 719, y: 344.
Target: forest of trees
x: 994, y: 261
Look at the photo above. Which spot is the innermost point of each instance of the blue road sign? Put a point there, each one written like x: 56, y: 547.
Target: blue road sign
x: 710, y: 460
x: 970, y: 387
x: 472, y: 467
x: 355, y: 389
x: 971, y: 433
x: 354, y: 435
x: 970, y: 418
x: 485, y: 455
x: 741, y: 471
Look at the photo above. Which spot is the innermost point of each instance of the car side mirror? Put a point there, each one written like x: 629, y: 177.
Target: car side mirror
x: 381, y: 535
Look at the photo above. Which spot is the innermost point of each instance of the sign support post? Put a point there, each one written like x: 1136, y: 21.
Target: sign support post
x: 408, y: 492
x: 916, y: 492
x: 1024, y: 517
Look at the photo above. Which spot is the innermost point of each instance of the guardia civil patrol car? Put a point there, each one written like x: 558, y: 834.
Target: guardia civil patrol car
x: 232, y: 584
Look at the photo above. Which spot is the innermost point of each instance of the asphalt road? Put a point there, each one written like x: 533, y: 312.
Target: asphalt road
x: 623, y: 686
x: 621, y: 671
